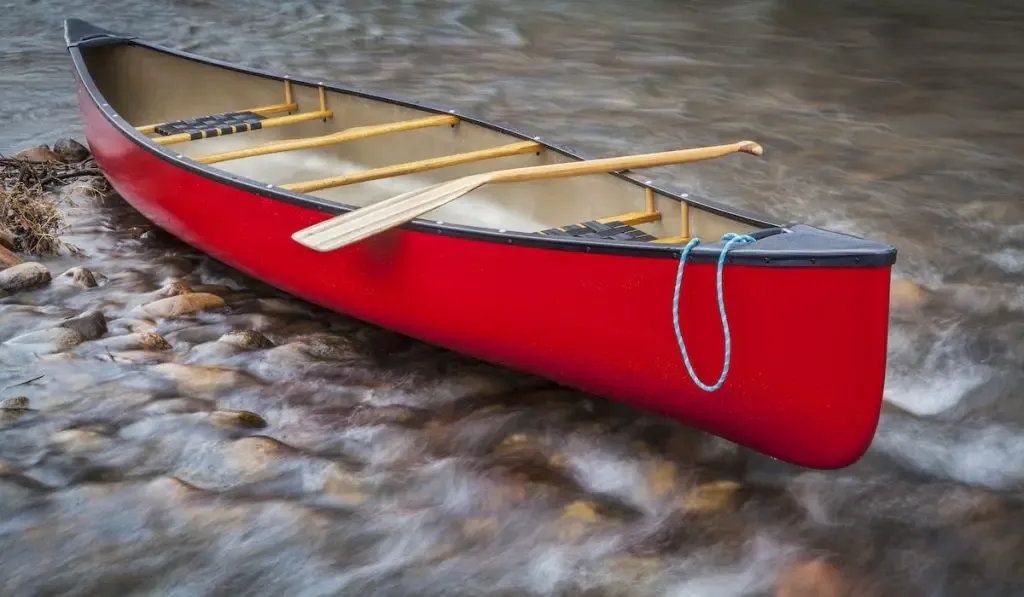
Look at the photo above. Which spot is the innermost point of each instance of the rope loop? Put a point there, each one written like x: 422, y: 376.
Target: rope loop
x: 730, y: 240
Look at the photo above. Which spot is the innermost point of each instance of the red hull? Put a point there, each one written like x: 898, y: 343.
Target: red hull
x: 808, y: 343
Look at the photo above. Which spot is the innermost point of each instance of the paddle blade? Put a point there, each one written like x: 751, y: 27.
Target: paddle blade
x: 358, y: 224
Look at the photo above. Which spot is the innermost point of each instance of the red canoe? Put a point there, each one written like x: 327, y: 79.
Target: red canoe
x: 572, y: 279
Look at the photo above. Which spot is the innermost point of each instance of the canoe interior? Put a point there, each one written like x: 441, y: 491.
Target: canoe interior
x: 146, y: 86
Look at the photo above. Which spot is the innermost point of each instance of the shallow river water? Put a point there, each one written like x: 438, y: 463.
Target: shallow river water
x: 378, y: 465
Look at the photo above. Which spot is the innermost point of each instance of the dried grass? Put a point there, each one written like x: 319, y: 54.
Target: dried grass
x: 29, y: 208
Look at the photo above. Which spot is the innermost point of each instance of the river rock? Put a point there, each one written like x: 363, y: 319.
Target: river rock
x: 137, y: 341
x: 343, y: 486
x: 79, y: 441
x: 70, y: 151
x: 383, y: 415
x: 91, y: 324
x: 41, y: 153
x: 183, y: 304
x: 24, y: 276
x: 15, y: 403
x: 246, y: 339
x: 50, y: 340
x: 241, y: 419
x: 197, y: 379
x: 905, y: 295
x: 176, y: 288
x: 256, y: 454
x: 8, y: 258
x: 710, y: 497
x: 816, y: 578
x: 80, y: 277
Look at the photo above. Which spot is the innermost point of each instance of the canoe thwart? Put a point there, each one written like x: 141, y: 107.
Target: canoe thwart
x: 633, y: 218
x: 414, y: 167
x: 350, y: 134
x: 358, y: 224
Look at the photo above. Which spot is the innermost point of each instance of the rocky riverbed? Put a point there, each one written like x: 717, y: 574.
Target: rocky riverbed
x: 170, y: 426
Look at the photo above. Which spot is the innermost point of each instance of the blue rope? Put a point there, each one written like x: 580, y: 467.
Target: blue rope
x: 730, y: 239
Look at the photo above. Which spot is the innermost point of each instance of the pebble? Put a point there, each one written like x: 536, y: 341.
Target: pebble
x: 198, y: 379
x: 710, y: 497
x: 79, y: 441
x: 137, y: 341
x: 816, y: 578
x: 24, y: 276
x: 247, y: 339
x: 905, y: 295
x: 40, y: 153
x: 51, y: 340
x: 255, y: 453
x: 91, y: 324
x: 15, y: 403
x: 80, y: 277
x: 70, y: 151
x: 183, y: 304
x: 343, y: 486
x: 383, y: 415
x: 239, y: 419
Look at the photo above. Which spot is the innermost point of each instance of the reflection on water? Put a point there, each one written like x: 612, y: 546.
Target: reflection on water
x: 379, y: 464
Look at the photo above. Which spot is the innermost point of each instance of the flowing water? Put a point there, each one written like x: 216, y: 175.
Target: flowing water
x: 378, y: 465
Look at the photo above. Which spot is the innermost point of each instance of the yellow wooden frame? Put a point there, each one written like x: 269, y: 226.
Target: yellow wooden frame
x: 351, y: 134
x: 289, y: 106
x: 413, y: 167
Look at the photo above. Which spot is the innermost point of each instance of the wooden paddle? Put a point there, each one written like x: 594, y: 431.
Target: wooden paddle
x: 358, y: 224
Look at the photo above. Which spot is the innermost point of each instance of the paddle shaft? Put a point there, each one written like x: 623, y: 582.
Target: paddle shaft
x: 646, y: 160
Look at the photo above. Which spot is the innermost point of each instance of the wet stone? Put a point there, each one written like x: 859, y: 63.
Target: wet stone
x: 183, y: 304
x: 137, y: 341
x: 246, y: 339
x: 79, y: 441
x: 384, y: 415
x: 24, y: 276
x: 256, y: 453
x: 176, y: 288
x: 40, y: 153
x: 197, y: 379
x: 50, y: 340
x: 15, y: 403
x: 91, y: 324
x: 79, y: 276
x: 70, y: 151
x: 905, y: 295
x: 711, y: 497
x: 323, y: 346
x: 238, y: 419
x: 343, y: 486
x: 174, y: 406
x: 812, y: 579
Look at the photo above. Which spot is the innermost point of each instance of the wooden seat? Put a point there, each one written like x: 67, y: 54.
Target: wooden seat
x: 213, y: 125
x: 609, y: 230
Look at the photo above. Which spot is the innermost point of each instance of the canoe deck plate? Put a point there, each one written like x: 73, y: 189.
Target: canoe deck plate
x: 213, y: 125
x: 607, y: 230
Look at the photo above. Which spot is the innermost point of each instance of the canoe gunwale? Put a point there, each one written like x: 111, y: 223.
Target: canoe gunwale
x: 860, y: 253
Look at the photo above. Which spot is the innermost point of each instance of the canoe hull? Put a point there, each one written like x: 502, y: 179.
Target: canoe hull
x: 808, y: 343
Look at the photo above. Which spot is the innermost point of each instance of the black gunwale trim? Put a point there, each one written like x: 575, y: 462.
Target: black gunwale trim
x: 79, y: 34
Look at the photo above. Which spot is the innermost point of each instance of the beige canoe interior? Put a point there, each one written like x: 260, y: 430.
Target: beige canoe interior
x: 148, y: 87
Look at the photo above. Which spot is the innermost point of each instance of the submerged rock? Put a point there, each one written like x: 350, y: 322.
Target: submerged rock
x: 812, y: 579
x: 246, y: 339
x: 50, y: 340
x: 137, y: 341
x: 183, y: 304
x: 70, y: 151
x: 197, y: 379
x: 237, y: 418
x: 80, y: 277
x: 710, y: 497
x: 24, y: 276
x: 905, y: 295
x: 15, y: 403
x: 91, y: 324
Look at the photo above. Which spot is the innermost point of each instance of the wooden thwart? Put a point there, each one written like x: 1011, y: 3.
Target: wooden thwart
x: 262, y: 111
x: 265, y: 124
x: 633, y: 218
x: 413, y: 167
x: 359, y: 132
x: 358, y: 224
